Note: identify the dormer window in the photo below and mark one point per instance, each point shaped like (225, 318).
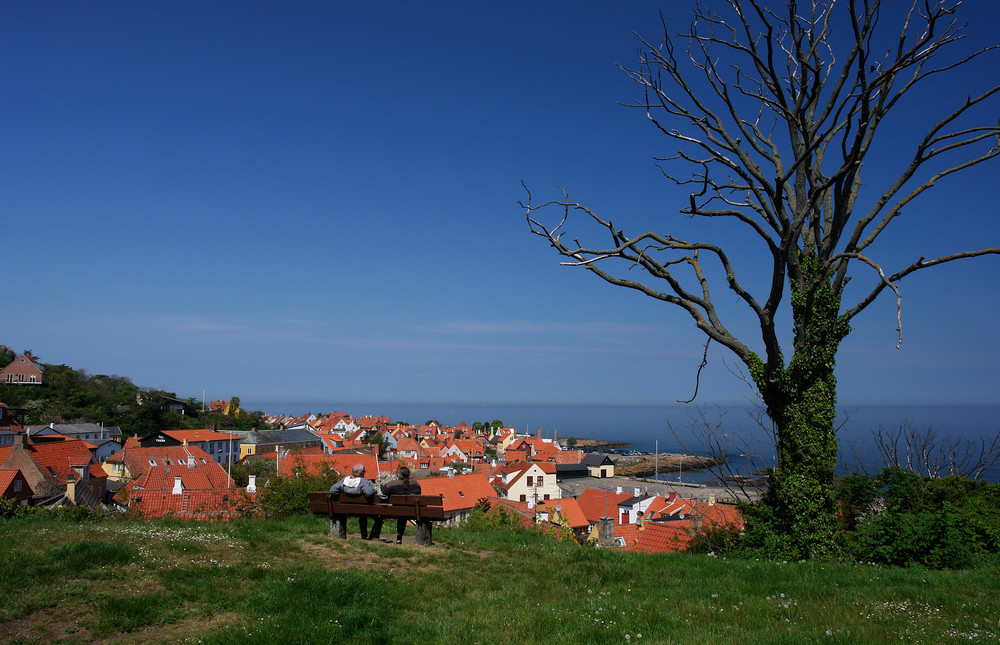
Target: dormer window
(153, 462)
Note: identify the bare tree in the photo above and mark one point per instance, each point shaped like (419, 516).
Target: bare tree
(925, 453)
(775, 116)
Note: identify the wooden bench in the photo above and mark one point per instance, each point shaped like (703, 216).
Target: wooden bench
(422, 509)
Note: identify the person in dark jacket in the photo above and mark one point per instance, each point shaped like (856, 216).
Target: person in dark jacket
(401, 486)
(356, 484)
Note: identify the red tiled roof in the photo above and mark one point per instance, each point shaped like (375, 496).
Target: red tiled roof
(137, 459)
(660, 538)
(55, 457)
(194, 505)
(198, 477)
(569, 456)
(341, 462)
(571, 512)
(7, 477)
(202, 434)
(460, 492)
(597, 503)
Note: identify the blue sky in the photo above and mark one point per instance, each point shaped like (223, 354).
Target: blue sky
(317, 202)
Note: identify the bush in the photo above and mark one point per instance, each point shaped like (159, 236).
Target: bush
(715, 539)
(286, 496)
(487, 517)
(904, 519)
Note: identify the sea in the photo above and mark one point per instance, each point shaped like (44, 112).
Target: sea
(740, 432)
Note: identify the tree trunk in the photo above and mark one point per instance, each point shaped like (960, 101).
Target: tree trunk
(798, 515)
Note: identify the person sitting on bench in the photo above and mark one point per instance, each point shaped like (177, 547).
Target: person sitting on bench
(356, 484)
(401, 486)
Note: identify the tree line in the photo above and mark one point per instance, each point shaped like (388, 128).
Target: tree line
(74, 396)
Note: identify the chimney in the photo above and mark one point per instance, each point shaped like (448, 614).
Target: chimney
(19, 441)
(553, 435)
(539, 433)
(52, 426)
(637, 491)
(252, 486)
(185, 443)
(606, 532)
(618, 490)
(638, 520)
(671, 497)
(178, 486)
(451, 473)
(71, 489)
(711, 500)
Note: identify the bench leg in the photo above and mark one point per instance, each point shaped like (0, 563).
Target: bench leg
(424, 533)
(338, 526)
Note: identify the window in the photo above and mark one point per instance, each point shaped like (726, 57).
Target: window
(546, 496)
(530, 480)
(540, 482)
(17, 485)
(524, 498)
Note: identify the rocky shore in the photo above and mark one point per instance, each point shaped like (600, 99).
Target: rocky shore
(593, 445)
(646, 465)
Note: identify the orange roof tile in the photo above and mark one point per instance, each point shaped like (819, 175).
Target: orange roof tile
(198, 477)
(202, 434)
(597, 503)
(341, 462)
(662, 538)
(570, 510)
(195, 505)
(460, 492)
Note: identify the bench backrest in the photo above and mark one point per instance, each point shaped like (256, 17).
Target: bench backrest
(417, 507)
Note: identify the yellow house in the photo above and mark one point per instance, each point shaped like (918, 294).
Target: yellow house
(264, 442)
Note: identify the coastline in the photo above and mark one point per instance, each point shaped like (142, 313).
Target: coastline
(706, 493)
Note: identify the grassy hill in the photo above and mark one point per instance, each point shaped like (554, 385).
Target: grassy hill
(117, 581)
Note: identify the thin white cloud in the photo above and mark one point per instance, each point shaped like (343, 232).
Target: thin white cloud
(579, 328)
(206, 325)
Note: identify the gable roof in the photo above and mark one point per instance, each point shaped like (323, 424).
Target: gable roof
(55, 457)
(7, 477)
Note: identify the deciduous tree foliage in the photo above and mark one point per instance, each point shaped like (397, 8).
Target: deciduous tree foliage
(774, 114)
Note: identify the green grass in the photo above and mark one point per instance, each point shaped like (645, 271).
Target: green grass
(266, 582)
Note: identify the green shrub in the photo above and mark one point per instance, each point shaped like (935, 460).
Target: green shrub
(487, 517)
(904, 519)
(715, 539)
(286, 496)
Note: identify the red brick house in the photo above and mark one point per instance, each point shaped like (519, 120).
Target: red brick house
(24, 370)
(14, 486)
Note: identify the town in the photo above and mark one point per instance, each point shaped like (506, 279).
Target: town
(188, 473)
